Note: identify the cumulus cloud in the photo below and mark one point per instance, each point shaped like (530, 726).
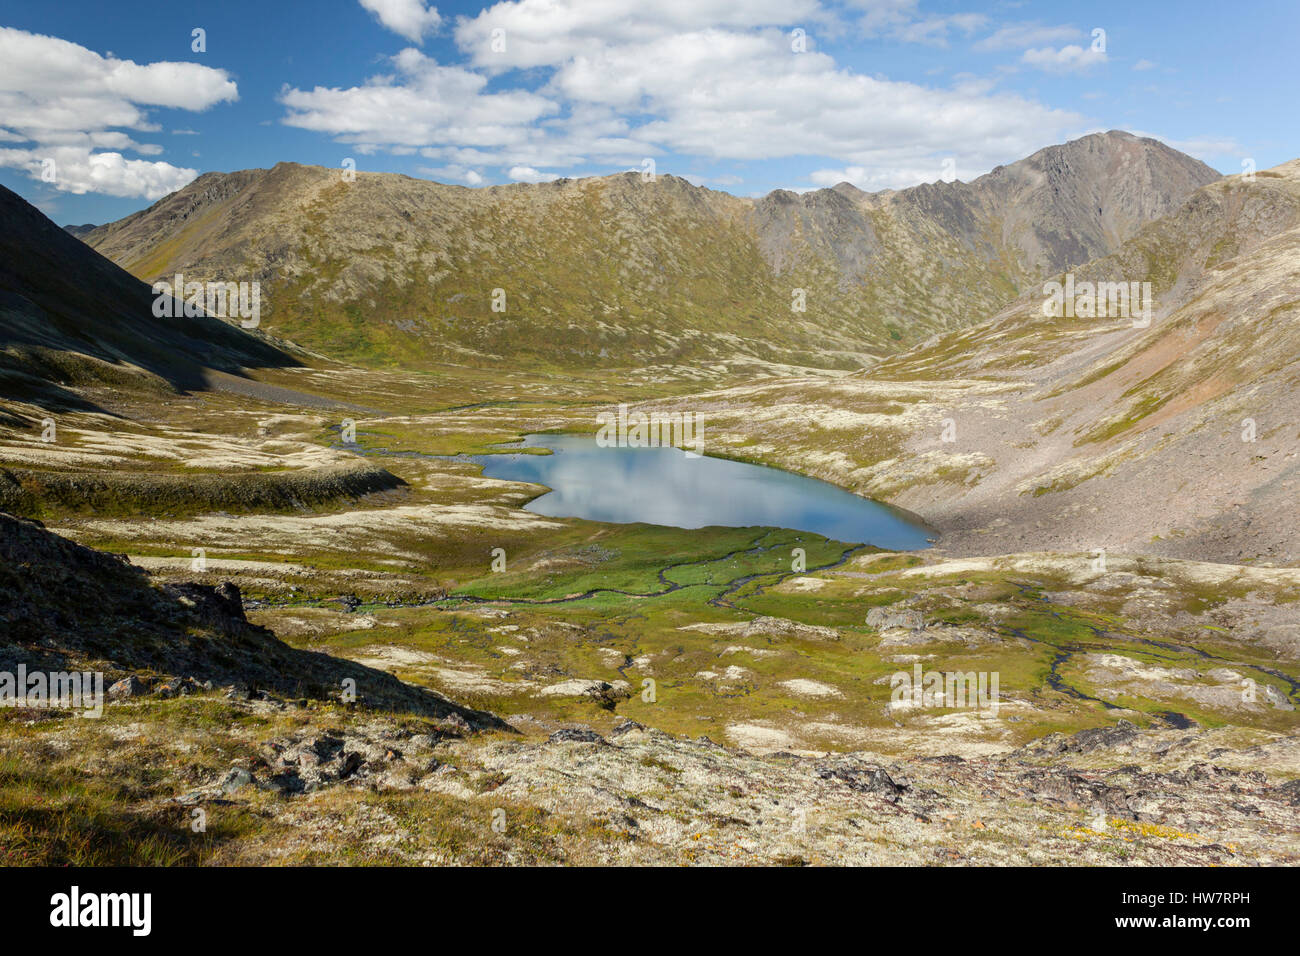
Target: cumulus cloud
(79, 171)
(526, 174)
(65, 103)
(551, 32)
(602, 82)
(408, 18)
(727, 95)
(420, 103)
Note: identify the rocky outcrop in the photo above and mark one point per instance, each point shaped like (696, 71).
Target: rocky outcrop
(890, 618)
(218, 608)
(62, 603)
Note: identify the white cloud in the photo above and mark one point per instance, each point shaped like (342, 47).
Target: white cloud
(1068, 59)
(462, 174)
(876, 179)
(727, 95)
(422, 103)
(80, 171)
(67, 102)
(408, 18)
(551, 32)
(1022, 36)
(611, 84)
(526, 174)
(47, 82)
(1144, 65)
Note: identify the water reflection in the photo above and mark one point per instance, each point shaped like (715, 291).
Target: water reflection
(662, 486)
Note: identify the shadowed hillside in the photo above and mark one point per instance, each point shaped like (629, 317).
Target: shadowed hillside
(64, 606)
(69, 316)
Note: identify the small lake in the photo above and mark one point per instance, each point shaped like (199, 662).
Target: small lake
(662, 486)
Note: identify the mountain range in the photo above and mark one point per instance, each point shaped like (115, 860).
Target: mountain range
(384, 269)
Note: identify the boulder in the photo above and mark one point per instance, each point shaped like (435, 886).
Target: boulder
(576, 735)
(889, 618)
(236, 779)
(219, 608)
(127, 687)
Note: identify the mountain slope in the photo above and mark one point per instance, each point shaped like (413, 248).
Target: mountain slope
(68, 315)
(942, 255)
(63, 605)
(1181, 437)
(621, 272)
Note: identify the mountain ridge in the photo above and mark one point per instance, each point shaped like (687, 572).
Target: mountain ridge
(396, 270)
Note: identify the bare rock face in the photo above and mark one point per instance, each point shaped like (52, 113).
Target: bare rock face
(974, 245)
(887, 618)
(1069, 204)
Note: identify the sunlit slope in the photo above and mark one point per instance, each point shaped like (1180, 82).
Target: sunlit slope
(623, 272)
(1186, 428)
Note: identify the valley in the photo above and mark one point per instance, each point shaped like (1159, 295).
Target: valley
(1105, 544)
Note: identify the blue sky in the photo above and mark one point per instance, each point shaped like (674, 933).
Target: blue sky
(727, 94)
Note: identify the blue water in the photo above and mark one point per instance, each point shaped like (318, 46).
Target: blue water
(662, 486)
